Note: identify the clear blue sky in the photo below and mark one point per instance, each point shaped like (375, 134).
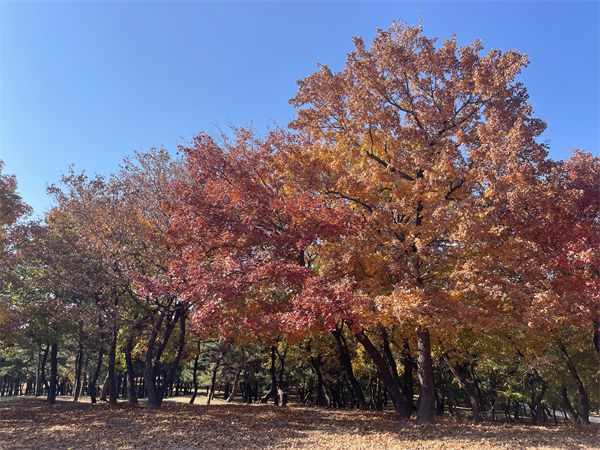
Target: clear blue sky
(87, 83)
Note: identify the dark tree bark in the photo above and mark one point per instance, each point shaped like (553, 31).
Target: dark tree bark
(426, 408)
(387, 351)
(53, 373)
(155, 351)
(568, 410)
(401, 404)
(316, 363)
(42, 373)
(149, 377)
(469, 388)
(94, 380)
(536, 406)
(346, 360)
(281, 395)
(273, 371)
(584, 404)
(236, 382)
(178, 353)
(131, 391)
(596, 325)
(194, 376)
(440, 396)
(449, 395)
(113, 393)
(409, 391)
(213, 381)
(78, 367)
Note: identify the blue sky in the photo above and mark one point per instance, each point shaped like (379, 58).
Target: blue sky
(87, 83)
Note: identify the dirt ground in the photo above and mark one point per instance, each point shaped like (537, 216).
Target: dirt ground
(30, 423)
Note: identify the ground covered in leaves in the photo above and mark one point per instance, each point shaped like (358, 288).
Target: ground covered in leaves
(29, 423)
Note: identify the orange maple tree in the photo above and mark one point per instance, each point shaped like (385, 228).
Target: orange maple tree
(430, 145)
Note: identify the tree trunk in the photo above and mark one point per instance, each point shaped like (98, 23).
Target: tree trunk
(568, 409)
(409, 363)
(316, 363)
(401, 404)
(584, 404)
(344, 355)
(149, 377)
(281, 396)
(53, 374)
(213, 382)
(131, 393)
(94, 380)
(387, 351)
(596, 325)
(113, 393)
(449, 395)
(426, 408)
(236, 381)
(178, 353)
(468, 387)
(42, 370)
(273, 391)
(537, 408)
(194, 376)
(78, 366)
(104, 390)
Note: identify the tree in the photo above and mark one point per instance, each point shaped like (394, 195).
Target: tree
(12, 208)
(121, 218)
(242, 242)
(571, 238)
(430, 145)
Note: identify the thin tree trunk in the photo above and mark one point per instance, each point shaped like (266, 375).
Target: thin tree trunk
(104, 390)
(536, 410)
(179, 352)
(408, 374)
(281, 396)
(149, 377)
(568, 409)
(78, 367)
(213, 382)
(113, 393)
(131, 391)
(387, 351)
(94, 380)
(596, 325)
(53, 373)
(468, 387)
(194, 377)
(584, 404)
(42, 378)
(236, 381)
(426, 408)
(449, 395)
(36, 388)
(316, 363)
(344, 355)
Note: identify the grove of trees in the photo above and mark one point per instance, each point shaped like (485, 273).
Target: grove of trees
(405, 241)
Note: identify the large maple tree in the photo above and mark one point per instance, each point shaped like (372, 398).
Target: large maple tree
(430, 144)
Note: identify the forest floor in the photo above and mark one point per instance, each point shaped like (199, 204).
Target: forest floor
(30, 423)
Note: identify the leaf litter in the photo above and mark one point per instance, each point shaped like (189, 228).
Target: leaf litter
(29, 423)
